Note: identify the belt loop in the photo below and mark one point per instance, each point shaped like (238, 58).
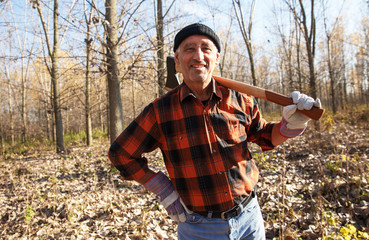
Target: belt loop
(210, 214)
(241, 207)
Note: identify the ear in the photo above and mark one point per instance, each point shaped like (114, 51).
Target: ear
(176, 60)
(217, 59)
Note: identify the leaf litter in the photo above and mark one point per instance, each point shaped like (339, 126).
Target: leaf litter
(310, 188)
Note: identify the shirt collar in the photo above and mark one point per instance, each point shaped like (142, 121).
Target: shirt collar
(186, 92)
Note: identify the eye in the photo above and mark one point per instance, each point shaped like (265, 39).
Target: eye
(189, 49)
(206, 48)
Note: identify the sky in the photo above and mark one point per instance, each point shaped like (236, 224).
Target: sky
(351, 10)
(218, 13)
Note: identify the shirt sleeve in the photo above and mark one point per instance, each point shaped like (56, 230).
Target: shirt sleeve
(260, 131)
(141, 136)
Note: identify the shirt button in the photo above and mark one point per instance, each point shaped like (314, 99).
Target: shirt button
(204, 111)
(214, 151)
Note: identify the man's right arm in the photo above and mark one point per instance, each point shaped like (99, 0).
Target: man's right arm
(141, 136)
(148, 175)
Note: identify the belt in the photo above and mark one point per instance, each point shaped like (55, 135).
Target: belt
(233, 212)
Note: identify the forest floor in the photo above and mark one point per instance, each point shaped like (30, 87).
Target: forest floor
(311, 187)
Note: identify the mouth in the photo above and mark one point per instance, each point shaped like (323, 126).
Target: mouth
(198, 66)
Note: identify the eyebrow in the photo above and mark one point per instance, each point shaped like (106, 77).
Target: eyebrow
(203, 44)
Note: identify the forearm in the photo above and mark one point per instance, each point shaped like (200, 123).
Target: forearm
(148, 175)
(277, 138)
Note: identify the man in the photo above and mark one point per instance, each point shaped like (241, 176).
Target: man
(203, 129)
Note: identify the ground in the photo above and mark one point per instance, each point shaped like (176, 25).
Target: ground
(312, 187)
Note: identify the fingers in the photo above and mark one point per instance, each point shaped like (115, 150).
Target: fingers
(303, 101)
(182, 217)
(318, 103)
(289, 110)
(295, 96)
(176, 211)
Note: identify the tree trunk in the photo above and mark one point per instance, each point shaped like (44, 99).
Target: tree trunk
(310, 45)
(54, 73)
(87, 100)
(88, 40)
(309, 37)
(115, 99)
(246, 34)
(11, 121)
(160, 46)
(331, 75)
(54, 79)
(298, 59)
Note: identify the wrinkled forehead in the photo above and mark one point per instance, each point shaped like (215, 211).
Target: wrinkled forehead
(197, 41)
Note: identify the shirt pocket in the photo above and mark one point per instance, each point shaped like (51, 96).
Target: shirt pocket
(229, 128)
(179, 152)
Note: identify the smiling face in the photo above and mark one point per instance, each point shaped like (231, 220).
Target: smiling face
(197, 57)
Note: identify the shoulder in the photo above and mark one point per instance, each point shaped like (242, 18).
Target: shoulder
(236, 97)
(167, 99)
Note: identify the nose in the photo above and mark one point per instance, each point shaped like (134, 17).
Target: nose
(198, 54)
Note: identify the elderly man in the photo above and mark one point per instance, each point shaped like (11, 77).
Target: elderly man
(203, 130)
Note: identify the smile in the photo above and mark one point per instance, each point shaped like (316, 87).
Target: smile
(198, 65)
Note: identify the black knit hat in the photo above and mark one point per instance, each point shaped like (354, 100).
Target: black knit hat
(196, 29)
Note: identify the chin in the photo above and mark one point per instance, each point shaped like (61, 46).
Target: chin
(199, 79)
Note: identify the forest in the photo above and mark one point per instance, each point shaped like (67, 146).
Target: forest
(75, 73)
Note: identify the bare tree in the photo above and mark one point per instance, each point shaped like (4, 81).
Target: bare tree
(53, 53)
(115, 99)
(25, 63)
(225, 49)
(160, 46)
(160, 50)
(88, 41)
(309, 33)
(287, 48)
(246, 33)
(332, 56)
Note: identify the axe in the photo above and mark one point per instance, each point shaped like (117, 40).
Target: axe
(172, 81)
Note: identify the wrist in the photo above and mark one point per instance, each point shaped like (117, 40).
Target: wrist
(160, 185)
(288, 132)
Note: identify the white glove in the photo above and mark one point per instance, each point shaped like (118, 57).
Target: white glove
(294, 123)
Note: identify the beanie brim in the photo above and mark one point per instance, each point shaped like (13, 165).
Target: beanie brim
(196, 29)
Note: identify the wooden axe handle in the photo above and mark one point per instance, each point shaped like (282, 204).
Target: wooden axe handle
(315, 113)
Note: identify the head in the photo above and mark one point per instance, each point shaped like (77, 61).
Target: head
(196, 52)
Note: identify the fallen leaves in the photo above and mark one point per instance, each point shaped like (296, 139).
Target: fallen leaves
(78, 196)
(314, 186)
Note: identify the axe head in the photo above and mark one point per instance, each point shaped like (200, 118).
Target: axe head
(172, 78)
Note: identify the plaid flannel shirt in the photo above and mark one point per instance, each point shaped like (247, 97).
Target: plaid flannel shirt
(205, 148)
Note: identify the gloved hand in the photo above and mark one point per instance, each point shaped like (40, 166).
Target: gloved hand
(294, 123)
(169, 198)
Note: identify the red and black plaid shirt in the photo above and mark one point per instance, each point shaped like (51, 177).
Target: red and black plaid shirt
(204, 147)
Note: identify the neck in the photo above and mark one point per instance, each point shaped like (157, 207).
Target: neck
(202, 91)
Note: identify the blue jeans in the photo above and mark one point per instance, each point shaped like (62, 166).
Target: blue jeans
(248, 225)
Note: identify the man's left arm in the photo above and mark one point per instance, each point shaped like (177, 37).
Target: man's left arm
(293, 123)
